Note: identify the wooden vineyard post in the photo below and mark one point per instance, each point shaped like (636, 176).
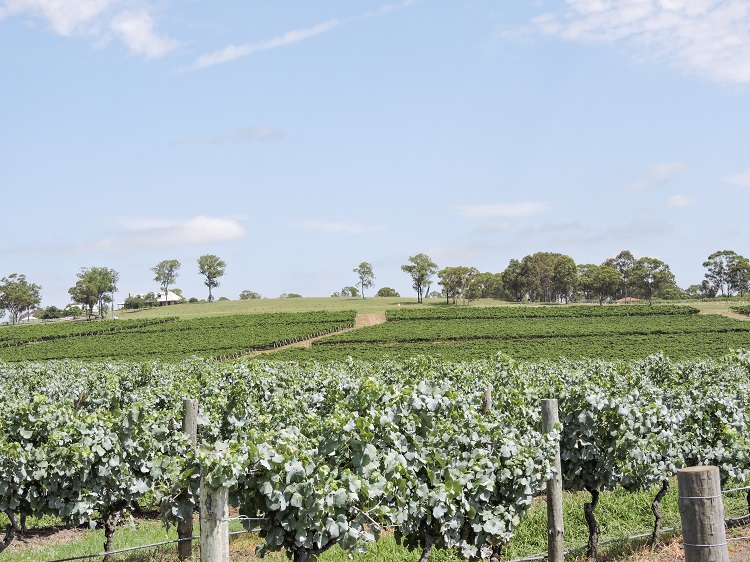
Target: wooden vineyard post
(190, 429)
(214, 509)
(555, 526)
(702, 514)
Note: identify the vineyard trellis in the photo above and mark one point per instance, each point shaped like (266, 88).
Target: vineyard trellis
(320, 453)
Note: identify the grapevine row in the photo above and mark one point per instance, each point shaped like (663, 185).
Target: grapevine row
(323, 452)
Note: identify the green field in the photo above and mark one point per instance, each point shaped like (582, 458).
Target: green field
(229, 329)
(534, 334)
(168, 338)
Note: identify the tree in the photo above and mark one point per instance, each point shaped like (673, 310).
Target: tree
(387, 292)
(456, 281)
(651, 276)
(421, 269)
(545, 277)
(564, 278)
(512, 281)
(486, 286)
(94, 287)
(599, 281)
(365, 275)
(350, 291)
(623, 262)
(52, 313)
(211, 267)
(83, 294)
(718, 265)
(17, 295)
(249, 295)
(166, 273)
(739, 275)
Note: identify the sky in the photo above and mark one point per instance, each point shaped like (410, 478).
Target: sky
(297, 139)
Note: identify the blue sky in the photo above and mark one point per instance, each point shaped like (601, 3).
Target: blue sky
(298, 139)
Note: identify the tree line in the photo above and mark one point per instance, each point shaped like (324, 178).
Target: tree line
(554, 277)
(95, 289)
(538, 277)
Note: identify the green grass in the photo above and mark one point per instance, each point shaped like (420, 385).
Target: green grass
(620, 514)
(369, 304)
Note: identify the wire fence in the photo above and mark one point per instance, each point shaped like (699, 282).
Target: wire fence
(532, 558)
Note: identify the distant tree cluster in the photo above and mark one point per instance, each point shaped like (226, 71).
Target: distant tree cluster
(387, 292)
(552, 277)
(249, 295)
(539, 277)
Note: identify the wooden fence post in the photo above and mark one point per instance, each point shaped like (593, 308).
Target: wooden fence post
(555, 526)
(487, 400)
(702, 514)
(190, 429)
(214, 523)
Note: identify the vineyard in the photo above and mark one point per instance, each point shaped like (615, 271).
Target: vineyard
(536, 333)
(334, 454)
(168, 339)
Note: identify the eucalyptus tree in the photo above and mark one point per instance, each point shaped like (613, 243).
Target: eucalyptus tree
(95, 286)
(456, 281)
(166, 273)
(17, 295)
(651, 276)
(421, 269)
(623, 262)
(211, 267)
(718, 267)
(366, 276)
(599, 281)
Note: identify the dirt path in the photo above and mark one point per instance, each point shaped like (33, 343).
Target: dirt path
(360, 321)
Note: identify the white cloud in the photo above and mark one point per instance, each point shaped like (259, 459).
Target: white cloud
(136, 30)
(336, 227)
(95, 19)
(680, 201)
(522, 209)
(659, 175)
(710, 38)
(159, 232)
(741, 179)
(65, 17)
(232, 52)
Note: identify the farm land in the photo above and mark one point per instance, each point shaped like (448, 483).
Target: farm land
(677, 359)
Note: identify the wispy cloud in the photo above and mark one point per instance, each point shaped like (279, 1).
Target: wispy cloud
(97, 20)
(142, 233)
(241, 134)
(523, 209)
(710, 38)
(337, 227)
(658, 176)
(741, 179)
(639, 228)
(233, 52)
(680, 201)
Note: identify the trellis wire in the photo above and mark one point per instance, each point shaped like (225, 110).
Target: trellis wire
(121, 550)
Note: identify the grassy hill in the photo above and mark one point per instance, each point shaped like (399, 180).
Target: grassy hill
(371, 304)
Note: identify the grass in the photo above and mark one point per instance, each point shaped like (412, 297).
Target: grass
(620, 514)
(369, 304)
